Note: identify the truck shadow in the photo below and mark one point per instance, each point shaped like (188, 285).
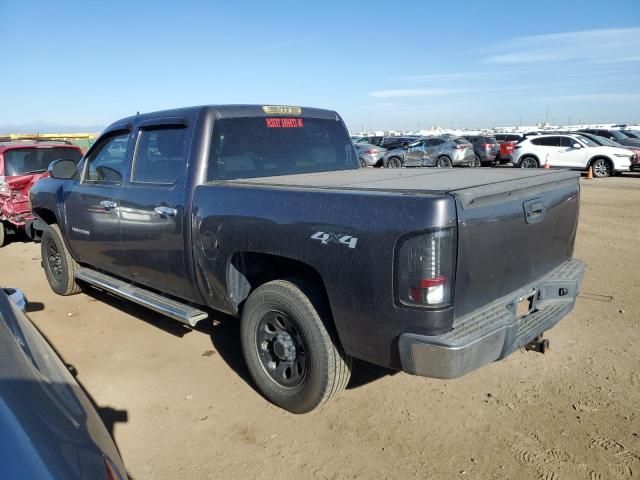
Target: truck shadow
(224, 333)
(158, 320)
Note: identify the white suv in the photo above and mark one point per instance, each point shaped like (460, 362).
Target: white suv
(571, 151)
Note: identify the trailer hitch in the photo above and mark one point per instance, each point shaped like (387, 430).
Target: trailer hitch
(540, 345)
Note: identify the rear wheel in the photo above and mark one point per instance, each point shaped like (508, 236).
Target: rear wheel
(444, 162)
(528, 162)
(363, 164)
(601, 168)
(290, 348)
(476, 162)
(394, 162)
(59, 266)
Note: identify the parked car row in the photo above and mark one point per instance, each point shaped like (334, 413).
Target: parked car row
(606, 151)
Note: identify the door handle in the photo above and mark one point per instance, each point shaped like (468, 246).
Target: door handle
(166, 211)
(108, 204)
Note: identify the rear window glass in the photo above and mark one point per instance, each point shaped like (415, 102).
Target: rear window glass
(461, 141)
(23, 161)
(490, 140)
(263, 147)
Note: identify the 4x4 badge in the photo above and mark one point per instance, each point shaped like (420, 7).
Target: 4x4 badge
(325, 238)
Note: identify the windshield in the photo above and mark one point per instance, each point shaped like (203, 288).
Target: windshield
(263, 147)
(603, 141)
(24, 161)
(588, 141)
(634, 135)
(619, 135)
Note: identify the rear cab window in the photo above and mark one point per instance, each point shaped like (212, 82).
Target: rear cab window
(26, 161)
(252, 147)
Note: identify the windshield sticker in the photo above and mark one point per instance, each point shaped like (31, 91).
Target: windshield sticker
(284, 122)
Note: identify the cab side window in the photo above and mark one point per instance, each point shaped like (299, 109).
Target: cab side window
(106, 164)
(161, 155)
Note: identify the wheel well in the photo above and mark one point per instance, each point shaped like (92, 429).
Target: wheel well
(248, 270)
(46, 215)
(598, 158)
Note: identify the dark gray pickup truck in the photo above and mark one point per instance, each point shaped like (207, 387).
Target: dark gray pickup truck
(262, 212)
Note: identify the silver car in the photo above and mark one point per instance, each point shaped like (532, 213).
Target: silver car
(370, 155)
(444, 151)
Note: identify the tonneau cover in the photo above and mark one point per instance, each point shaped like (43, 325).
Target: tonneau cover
(423, 180)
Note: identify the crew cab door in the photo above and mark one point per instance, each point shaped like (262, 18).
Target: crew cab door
(153, 219)
(91, 204)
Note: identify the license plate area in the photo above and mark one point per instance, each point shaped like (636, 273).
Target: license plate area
(526, 305)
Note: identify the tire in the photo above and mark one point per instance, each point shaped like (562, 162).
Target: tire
(290, 348)
(476, 162)
(394, 162)
(59, 266)
(528, 162)
(444, 162)
(4, 238)
(602, 168)
(363, 164)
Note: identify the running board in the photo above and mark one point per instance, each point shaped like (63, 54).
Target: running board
(176, 310)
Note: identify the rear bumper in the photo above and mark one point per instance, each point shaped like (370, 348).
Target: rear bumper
(494, 331)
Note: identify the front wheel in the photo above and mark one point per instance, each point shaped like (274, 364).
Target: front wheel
(59, 266)
(394, 162)
(602, 168)
(444, 162)
(476, 162)
(290, 348)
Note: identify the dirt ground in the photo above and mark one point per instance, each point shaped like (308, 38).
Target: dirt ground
(181, 404)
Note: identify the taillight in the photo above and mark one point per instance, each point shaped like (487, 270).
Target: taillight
(371, 152)
(462, 147)
(425, 269)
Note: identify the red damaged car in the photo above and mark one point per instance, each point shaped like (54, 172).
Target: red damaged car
(21, 165)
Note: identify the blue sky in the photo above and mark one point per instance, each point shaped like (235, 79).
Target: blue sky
(79, 64)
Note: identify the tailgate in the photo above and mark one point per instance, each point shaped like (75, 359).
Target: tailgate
(512, 232)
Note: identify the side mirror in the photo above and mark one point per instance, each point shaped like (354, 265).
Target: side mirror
(62, 169)
(576, 145)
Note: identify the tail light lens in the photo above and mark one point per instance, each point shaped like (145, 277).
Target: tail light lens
(462, 147)
(372, 152)
(425, 269)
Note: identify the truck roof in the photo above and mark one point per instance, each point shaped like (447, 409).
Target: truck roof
(228, 111)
